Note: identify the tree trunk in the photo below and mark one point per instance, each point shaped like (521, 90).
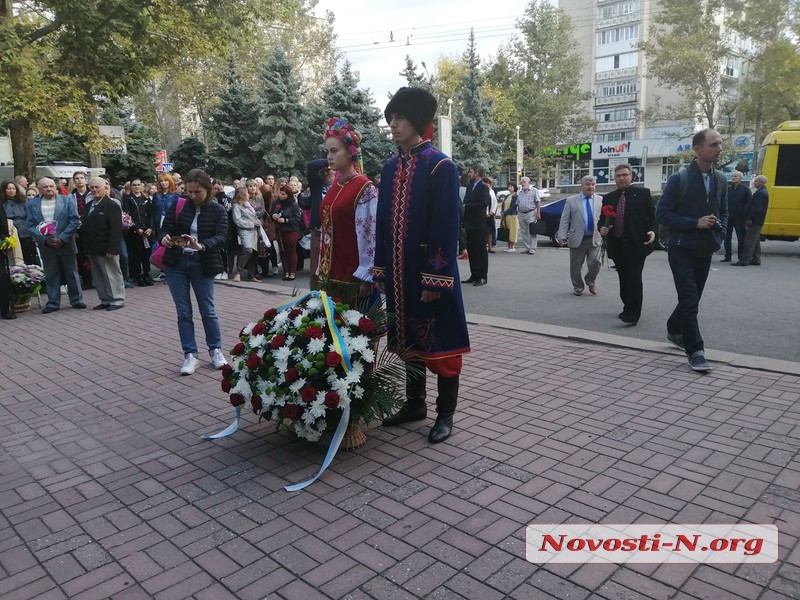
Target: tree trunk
(22, 148)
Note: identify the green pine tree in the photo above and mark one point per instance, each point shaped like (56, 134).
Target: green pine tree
(233, 127)
(422, 80)
(343, 98)
(281, 131)
(474, 132)
(189, 154)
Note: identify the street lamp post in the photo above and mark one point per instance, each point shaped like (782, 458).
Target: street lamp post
(450, 107)
(519, 156)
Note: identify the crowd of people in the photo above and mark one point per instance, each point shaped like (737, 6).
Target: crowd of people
(400, 236)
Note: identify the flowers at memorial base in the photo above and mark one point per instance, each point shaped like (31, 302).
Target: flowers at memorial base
(290, 366)
(8, 243)
(26, 280)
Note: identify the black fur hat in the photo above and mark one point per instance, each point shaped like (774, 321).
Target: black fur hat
(415, 104)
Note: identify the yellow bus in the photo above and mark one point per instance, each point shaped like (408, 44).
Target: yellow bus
(779, 161)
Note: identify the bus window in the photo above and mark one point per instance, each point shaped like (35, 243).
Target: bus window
(786, 172)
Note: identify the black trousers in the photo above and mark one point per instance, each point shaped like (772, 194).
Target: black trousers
(629, 265)
(478, 254)
(690, 273)
(138, 256)
(738, 227)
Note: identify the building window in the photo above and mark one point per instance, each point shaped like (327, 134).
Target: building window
(614, 136)
(618, 34)
(571, 171)
(603, 169)
(615, 114)
(617, 61)
(617, 88)
(732, 66)
(669, 166)
(618, 9)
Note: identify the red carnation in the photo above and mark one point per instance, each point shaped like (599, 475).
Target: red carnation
(238, 349)
(259, 328)
(294, 313)
(227, 370)
(253, 361)
(278, 341)
(366, 325)
(237, 399)
(332, 359)
(314, 332)
(256, 402)
(270, 314)
(291, 412)
(226, 385)
(332, 399)
(608, 211)
(307, 394)
(291, 375)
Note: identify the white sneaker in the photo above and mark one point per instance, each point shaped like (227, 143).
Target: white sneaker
(223, 276)
(275, 271)
(509, 250)
(218, 358)
(218, 276)
(531, 251)
(160, 277)
(64, 290)
(189, 364)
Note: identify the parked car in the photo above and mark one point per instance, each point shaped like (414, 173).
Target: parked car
(551, 219)
(543, 193)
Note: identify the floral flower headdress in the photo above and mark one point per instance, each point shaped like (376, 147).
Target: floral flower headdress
(342, 130)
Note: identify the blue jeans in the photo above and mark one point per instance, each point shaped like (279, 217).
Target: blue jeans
(189, 273)
(689, 273)
(61, 269)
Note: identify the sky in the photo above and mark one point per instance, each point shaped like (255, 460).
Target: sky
(376, 35)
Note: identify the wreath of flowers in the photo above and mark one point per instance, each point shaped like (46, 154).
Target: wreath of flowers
(294, 367)
(342, 130)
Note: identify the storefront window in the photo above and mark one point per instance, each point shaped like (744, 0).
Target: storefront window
(669, 166)
(603, 169)
(571, 171)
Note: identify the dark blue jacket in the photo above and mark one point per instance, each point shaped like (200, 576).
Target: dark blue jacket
(681, 214)
(317, 190)
(738, 197)
(756, 209)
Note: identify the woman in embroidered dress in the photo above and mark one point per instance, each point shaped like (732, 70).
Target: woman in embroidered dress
(347, 214)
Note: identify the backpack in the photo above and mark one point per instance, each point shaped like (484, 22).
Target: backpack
(722, 185)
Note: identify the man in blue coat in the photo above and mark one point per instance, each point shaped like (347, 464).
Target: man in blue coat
(417, 229)
(53, 220)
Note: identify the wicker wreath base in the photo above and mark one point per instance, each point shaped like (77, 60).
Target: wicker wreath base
(354, 437)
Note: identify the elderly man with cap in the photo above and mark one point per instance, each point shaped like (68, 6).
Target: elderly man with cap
(418, 222)
(53, 220)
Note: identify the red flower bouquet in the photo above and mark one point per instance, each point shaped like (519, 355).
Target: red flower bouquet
(608, 215)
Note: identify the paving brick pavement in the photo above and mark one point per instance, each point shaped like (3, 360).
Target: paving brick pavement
(106, 490)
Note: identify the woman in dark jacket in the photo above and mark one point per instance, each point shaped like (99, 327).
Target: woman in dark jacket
(140, 208)
(14, 200)
(192, 260)
(287, 215)
(5, 278)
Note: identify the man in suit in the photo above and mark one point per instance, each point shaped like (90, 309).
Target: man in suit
(101, 233)
(753, 220)
(738, 197)
(56, 246)
(629, 240)
(477, 204)
(578, 229)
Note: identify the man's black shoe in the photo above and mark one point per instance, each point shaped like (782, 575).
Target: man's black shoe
(738, 263)
(726, 259)
(406, 414)
(628, 318)
(48, 309)
(470, 280)
(9, 316)
(442, 429)
(114, 307)
(100, 307)
(479, 282)
(79, 305)
(755, 263)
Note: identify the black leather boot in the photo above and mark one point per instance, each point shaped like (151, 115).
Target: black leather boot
(446, 403)
(414, 408)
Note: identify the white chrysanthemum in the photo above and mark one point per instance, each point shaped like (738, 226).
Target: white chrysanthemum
(281, 318)
(368, 355)
(257, 341)
(358, 343)
(316, 345)
(298, 320)
(248, 329)
(344, 400)
(304, 364)
(282, 354)
(317, 408)
(313, 304)
(242, 387)
(297, 385)
(358, 392)
(351, 317)
(308, 418)
(275, 415)
(340, 386)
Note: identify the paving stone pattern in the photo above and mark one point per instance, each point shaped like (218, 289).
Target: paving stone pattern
(106, 490)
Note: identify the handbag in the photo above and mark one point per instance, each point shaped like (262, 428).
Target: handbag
(502, 234)
(157, 254)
